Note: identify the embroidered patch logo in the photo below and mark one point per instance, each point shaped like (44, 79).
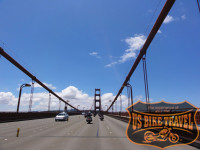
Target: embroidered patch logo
(162, 124)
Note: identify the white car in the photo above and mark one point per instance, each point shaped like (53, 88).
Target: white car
(62, 116)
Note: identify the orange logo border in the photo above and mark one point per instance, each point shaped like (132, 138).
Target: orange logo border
(155, 114)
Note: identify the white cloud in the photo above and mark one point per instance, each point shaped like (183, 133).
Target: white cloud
(168, 19)
(134, 44)
(74, 95)
(106, 98)
(111, 64)
(36, 85)
(95, 54)
(127, 56)
(159, 31)
(183, 17)
(6, 97)
(40, 100)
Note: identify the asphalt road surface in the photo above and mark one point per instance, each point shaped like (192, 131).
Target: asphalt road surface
(75, 134)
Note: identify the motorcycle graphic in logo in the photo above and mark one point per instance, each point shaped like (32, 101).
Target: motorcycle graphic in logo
(162, 124)
(163, 135)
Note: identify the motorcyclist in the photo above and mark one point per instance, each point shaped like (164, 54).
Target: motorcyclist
(89, 114)
(101, 116)
(89, 117)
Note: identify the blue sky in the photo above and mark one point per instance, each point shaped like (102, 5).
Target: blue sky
(77, 46)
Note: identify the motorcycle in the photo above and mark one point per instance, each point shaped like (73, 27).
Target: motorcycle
(163, 135)
(101, 117)
(89, 119)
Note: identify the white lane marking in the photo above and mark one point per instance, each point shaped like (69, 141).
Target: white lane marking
(5, 139)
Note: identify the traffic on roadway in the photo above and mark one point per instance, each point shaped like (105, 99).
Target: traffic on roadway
(74, 134)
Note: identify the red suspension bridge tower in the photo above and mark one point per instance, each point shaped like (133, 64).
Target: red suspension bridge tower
(97, 101)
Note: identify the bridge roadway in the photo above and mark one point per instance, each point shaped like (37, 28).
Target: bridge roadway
(76, 134)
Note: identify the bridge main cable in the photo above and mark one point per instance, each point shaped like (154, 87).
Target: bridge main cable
(168, 5)
(14, 62)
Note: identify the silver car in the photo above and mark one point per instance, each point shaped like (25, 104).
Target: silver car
(62, 117)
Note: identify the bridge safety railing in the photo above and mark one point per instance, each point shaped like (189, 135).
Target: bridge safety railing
(13, 116)
(125, 116)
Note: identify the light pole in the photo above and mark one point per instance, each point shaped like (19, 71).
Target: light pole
(20, 91)
(83, 108)
(77, 106)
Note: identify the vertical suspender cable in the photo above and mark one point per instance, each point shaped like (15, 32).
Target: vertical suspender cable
(49, 102)
(31, 96)
(168, 5)
(128, 94)
(131, 98)
(116, 106)
(146, 81)
(120, 103)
